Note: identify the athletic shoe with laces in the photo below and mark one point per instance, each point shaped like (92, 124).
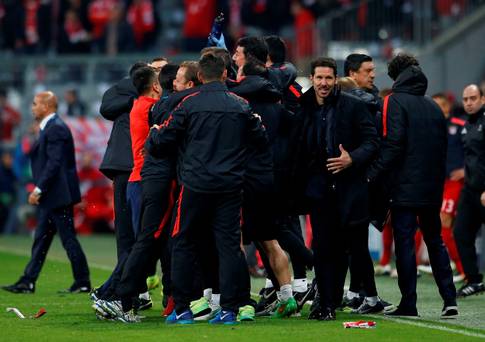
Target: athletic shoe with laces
(224, 317)
(128, 317)
(111, 307)
(366, 308)
(169, 307)
(387, 306)
(302, 297)
(246, 314)
(470, 289)
(449, 312)
(267, 302)
(77, 288)
(401, 312)
(94, 294)
(185, 317)
(153, 282)
(351, 304)
(100, 312)
(20, 287)
(285, 308)
(200, 309)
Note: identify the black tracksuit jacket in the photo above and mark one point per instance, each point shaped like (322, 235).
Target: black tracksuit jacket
(212, 129)
(473, 137)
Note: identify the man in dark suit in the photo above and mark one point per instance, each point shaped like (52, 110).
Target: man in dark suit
(338, 141)
(56, 191)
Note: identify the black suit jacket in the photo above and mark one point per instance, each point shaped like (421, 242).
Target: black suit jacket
(54, 166)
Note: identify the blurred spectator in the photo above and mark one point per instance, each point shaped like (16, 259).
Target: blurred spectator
(73, 106)
(7, 187)
(120, 33)
(266, 16)
(9, 119)
(100, 13)
(95, 212)
(141, 16)
(74, 27)
(305, 34)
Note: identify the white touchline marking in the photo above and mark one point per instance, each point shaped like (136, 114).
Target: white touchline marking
(456, 330)
(22, 252)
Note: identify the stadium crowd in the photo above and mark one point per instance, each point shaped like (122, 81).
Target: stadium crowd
(214, 154)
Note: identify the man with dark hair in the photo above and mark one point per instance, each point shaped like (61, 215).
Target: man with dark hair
(276, 49)
(212, 129)
(116, 165)
(471, 209)
(250, 47)
(360, 69)
(338, 141)
(411, 163)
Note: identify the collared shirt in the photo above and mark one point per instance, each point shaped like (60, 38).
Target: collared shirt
(45, 120)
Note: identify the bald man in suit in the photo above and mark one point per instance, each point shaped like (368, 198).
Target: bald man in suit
(56, 192)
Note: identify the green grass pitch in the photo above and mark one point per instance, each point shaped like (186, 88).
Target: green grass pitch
(70, 317)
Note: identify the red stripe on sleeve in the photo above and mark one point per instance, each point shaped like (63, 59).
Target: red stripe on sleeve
(176, 227)
(384, 115)
(458, 121)
(294, 91)
(168, 212)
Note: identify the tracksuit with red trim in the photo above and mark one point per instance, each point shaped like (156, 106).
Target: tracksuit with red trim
(212, 130)
(159, 191)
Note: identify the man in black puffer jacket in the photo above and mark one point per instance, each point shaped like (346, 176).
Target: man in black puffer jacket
(412, 163)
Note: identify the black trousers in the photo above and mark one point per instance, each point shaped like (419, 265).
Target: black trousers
(158, 201)
(361, 265)
(329, 249)
(125, 237)
(404, 226)
(49, 222)
(198, 215)
(470, 217)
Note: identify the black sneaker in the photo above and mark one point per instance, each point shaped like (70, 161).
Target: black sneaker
(76, 288)
(20, 287)
(400, 312)
(366, 308)
(449, 312)
(144, 304)
(470, 289)
(387, 306)
(352, 304)
(319, 314)
(302, 297)
(316, 300)
(267, 302)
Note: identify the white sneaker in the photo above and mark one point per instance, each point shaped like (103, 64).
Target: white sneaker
(425, 269)
(380, 270)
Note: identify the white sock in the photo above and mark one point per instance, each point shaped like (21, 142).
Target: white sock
(372, 301)
(300, 285)
(286, 292)
(208, 293)
(269, 284)
(216, 299)
(145, 295)
(352, 295)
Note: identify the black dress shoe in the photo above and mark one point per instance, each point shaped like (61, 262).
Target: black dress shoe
(76, 288)
(20, 287)
(401, 312)
(325, 314)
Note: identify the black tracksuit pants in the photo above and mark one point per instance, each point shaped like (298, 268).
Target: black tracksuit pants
(470, 217)
(199, 215)
(361, 265)
(125, 237)
(404, 226)
(158, 201)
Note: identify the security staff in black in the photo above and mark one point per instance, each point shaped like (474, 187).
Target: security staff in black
(339, 140)
(471, 208)
(412, 163)
(212, 129)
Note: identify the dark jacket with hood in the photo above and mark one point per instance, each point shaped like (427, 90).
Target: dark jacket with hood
(352, 126)
(412, 158)
(283, 77)
(116, 106)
